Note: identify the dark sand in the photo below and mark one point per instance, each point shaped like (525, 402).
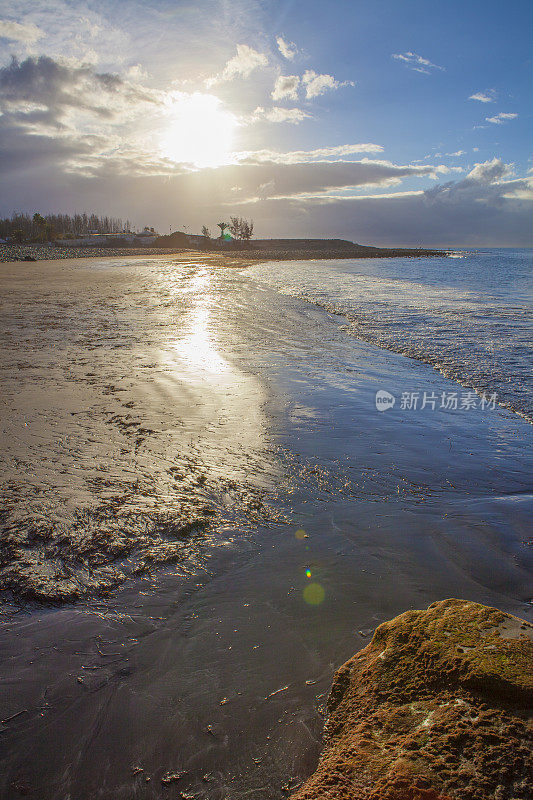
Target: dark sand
(214, 665)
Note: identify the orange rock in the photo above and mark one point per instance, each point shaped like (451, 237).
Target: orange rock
(434, 708)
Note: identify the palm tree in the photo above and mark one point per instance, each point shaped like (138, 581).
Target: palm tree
(222, 226)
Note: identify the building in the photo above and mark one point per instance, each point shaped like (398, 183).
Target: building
(142, 238)
(145, 237)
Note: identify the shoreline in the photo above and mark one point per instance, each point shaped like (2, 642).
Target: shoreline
(170, 680)
(28, 253)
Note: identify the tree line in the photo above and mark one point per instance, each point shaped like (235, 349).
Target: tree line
(239, 228)
(38, 228)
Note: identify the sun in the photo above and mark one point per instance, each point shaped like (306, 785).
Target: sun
(198, 130)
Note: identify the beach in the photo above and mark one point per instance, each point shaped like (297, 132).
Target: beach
(205, 513)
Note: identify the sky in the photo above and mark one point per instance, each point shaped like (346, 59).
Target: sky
(388, 122)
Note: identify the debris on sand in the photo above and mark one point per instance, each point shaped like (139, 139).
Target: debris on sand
(172, 777)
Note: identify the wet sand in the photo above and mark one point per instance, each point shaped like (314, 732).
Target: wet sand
(124, 431)
(204, 675)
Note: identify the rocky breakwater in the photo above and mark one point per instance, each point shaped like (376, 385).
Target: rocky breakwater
(436, 707)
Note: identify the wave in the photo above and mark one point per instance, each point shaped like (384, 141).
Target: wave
(467, 315)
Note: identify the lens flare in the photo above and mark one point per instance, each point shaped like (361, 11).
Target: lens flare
(314, 594)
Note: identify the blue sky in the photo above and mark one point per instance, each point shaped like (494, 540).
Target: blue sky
(384, 122)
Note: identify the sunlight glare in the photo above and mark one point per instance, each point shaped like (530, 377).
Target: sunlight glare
(197, 348)
(199, 131)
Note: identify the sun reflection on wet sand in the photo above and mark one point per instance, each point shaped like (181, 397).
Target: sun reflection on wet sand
(220, 405)
(197, 348)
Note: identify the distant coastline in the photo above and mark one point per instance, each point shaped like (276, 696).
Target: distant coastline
(279, 251)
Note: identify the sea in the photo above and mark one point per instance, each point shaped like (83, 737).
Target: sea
(468, 314)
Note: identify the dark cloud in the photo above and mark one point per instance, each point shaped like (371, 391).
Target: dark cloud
(488, 214)
(21, 152)
(478, 211)
(55, 88)
(40, 97)
(249, 181)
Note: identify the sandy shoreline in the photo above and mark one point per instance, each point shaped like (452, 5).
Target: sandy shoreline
(111, 386)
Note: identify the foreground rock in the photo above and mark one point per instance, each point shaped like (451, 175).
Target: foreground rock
(434, 708)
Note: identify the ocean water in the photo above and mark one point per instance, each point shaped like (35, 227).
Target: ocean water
(469, 314)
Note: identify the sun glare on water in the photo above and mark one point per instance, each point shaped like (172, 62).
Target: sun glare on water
(199, 131)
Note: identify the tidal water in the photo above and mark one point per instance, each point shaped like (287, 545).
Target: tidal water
(469, 315)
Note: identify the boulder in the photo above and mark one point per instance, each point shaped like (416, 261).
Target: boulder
(437, 706)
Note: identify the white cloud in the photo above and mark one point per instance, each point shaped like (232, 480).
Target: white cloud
(500, 118)
(137, 73)
(241, 65)
(286, 87)
(483, 97)
(316, 84)
(487, 194)
(374, 196)
(450, 155)
(287, 49)
(25, 32)
(68, 30)
(277, 114)
(442, 169)
(302, 156)
(416, 62)
(491, 171)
